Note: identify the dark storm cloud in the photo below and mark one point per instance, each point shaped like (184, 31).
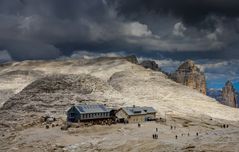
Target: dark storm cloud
(191, 11)
(44, 29)
(170, 30)
(37, 29)
(21, 50)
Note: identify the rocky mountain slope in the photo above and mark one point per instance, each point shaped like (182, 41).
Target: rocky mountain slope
(190, 75)
(123, 83)
(13, 81)
(40, 87)
(55, 93)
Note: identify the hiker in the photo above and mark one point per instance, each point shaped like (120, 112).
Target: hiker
(139, 125)
(171, 127)
(197, 133)
(227, 126)
(176, 137)
(156, 129)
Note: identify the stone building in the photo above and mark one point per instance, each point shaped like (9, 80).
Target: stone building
(86, 112)
(136, 114)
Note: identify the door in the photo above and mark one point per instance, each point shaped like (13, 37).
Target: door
(72, 117)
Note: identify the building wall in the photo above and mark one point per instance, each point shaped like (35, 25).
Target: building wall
(136, 119)
(89, 116)
(73, 115)
(121, 114)
(131, 119)
(151, 115)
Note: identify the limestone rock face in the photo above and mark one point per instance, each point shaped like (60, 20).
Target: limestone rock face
(190, 75)
(132, 59)
(229, 97)
(56, 91)
(148, 64)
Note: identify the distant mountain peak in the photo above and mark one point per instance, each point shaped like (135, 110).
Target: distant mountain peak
(229, 83)
(190, 75)
(229, 96)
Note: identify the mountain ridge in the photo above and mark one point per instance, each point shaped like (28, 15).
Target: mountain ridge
(114, 82)
(132, 84)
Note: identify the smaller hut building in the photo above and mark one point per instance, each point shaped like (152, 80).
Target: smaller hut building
(136, 114)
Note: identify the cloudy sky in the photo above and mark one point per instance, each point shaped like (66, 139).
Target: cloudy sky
(168, 31)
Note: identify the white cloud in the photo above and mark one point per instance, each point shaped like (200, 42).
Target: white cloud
(91, 55)
(179, 29)
(214, 35)
(137, 29)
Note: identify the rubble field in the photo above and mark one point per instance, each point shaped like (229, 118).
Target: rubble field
(174, 135)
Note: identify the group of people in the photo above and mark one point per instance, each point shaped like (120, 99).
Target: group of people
(225, 126)
(173, 127)
(176, 136)
(155, 136)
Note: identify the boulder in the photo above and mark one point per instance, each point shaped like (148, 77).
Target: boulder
(50, 120)
(148, 64)
(47, 119)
